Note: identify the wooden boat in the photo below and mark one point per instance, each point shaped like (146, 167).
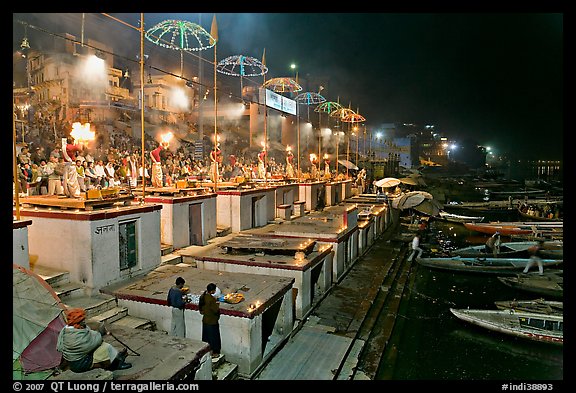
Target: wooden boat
(537, 218)
(491, 228)
(533, 326)
(550, 284)
(515, 227)
(507, 250)
(443, 215)
(540, 306)
(550, 250)
(483, 265)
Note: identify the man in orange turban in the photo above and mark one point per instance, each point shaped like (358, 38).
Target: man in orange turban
(84, 348)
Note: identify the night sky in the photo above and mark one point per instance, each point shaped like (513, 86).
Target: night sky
(495, 78)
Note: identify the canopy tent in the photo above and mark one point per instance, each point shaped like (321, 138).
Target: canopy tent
(429, 207)
(348, 164)
(387, 182)
(36, 321)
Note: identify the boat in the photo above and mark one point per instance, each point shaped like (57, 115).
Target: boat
(505, 266)
(551, 283)
(545, 328)
(549, 250)
(443, 215)
(540, 305)
(516, 227)
(507, 250)
(491, 228)
(534, 217)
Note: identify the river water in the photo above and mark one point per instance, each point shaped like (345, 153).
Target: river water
(429, 343)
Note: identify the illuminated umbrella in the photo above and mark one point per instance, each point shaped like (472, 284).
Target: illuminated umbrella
(282, 85)
(340, 114)
(326, 107)
(240, 65)
(310, 98)
(351, 118)
(286, 85)
(387, 182)
(180, 35)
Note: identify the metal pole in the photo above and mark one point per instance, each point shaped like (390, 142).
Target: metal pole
(142, 107)
(298, 133)
(357, 143)
(16, 178)
(215, 119)
(348, 150)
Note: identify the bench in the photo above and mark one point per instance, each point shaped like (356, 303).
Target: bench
(299, 207)
(284, 211)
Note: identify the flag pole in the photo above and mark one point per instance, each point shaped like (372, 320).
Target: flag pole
(214, 39)
(142, 107)
(265, 125)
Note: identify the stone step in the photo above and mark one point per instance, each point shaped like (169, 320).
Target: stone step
(223, 231)
(68, 290)
(166, 249)
(171, 259)
(110, 316)
(224, 370)
(94, 305)
(135, 323)
(52, 276)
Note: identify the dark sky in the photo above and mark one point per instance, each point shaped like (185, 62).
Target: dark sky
(496, 78)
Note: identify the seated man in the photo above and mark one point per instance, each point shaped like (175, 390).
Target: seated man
(84, 348)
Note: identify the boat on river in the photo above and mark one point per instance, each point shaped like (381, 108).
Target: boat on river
(539, 305)
(502, 266)
(507, 250)
(451, 217)
(512, 228)
(550, 284)
(545, 328)
(549, 250)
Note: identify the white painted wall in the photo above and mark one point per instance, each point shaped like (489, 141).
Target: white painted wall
(89, 250)
(241, 336)
(20, 254)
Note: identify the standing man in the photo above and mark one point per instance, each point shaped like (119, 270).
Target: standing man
(415, 247)
(210, 310)
(157, 175)
(70, 183)
(493, 244)
(535, 257)
(176, 300)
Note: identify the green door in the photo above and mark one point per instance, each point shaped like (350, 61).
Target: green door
(128, 246)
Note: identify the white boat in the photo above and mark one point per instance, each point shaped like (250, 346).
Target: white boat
(552, 249)
(533, 326)
(443, 215)
(541, 306)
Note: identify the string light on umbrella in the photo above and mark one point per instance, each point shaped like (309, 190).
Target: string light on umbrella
(180, 35)
(325, 107)
(311, 98)
(340, 114)
(351, 118)
(282, 85)
(242, 66)
(287, 85)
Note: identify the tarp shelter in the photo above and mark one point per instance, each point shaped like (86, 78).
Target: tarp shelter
(348, 164)
(387, 182)
(36, 321)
